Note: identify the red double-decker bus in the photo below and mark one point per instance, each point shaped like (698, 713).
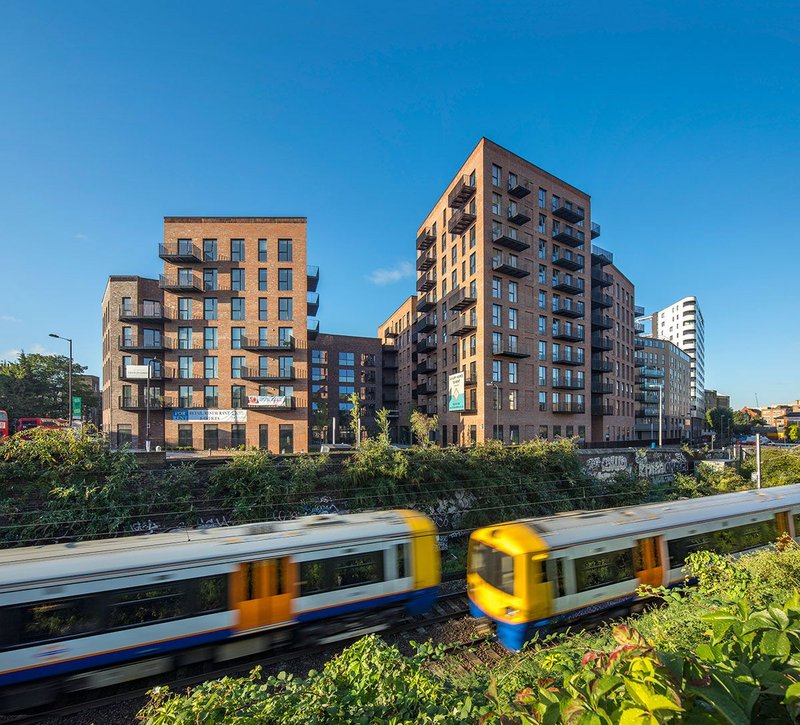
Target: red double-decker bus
(24, 424)
(3, 424)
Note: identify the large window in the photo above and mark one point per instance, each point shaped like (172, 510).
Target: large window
(262, 250)
(209, 250)
(724, 541)
(494, 567)
(347, 358)
(284, 250)
(210, 338)
(262, 280)
(285, 279)
(184, 308)
(238, 435)
(237, 250)
(185, 436)
(135, 607)
(237, 279)
(210, 308)
(342, 572)
(237, 308)
(285, 308)
(600, 570)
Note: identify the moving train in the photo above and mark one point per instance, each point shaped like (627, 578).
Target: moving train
(529, 574)
(86, 615)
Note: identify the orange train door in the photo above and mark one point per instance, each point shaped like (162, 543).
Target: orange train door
(648, 561)
(263, 592)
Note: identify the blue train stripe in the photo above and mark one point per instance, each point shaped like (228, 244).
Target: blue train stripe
(416, 602)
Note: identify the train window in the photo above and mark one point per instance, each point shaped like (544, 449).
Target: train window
(353, 571)
(796, 519)
(402, 561)
(600, 570)
(249, 576)
(55, 619)
(493, 566)
(212, 593)
(554, 572)
(133, 607)
(723, 541)
(312, 578)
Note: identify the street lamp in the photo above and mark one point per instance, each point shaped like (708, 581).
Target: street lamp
(147, 405)
(69, 375)
(493, 384)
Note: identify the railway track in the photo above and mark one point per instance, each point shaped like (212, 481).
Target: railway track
(448, 606)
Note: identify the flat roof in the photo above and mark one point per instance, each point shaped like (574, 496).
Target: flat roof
(245, 219)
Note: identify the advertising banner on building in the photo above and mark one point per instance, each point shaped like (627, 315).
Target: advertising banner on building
(455, 392)
(209, 415)
(268, 401)
(136, 372)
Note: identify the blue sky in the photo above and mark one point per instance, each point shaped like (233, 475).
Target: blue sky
(680, 119)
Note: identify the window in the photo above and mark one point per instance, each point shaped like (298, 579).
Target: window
(184, 308)
(237, 250)
(286, 439)
(513, 370)
(497, 342)
(542, 431)
(542, 299)
(601, 570)
(262, 250)
(542, 400)
(542, 227)
(542, 274)
(285, 279)
(210, 282)
(210, 367)
(237, 280)
(345, 571)
(497, 288)
(210, 437)
(185, 439)
(211, 396)
(185, 395)
(497, 371)
(472, 240)
(513, 433)
(472, 263)
(512, 318)
(497, 203)
(542, 199)
(52, 619)
(347, 358)
(210, 338)
(262, 280)
(497, 173)
(210, 308)
(285, 308)
(542, 375)
(493, 566)
(238, 438)
(237, 365)
(285, 337)
(237, 396)
(513, 288)
(319, 356)
(286, 366)
(237, 334)
(284, 250)
(184, 338)
(209, 250)
(185, 366)
(542, 249)
(186, 277)
(347, 375)
(497, 315)
(263, 434)
(262, 308)
(542, 325)
(237, 308)
(543, 350)
(723, 541)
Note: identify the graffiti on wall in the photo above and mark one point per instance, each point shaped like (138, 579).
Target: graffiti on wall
(658, 466)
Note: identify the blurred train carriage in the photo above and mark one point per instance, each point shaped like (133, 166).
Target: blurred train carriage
(530, 574)
(85, 615)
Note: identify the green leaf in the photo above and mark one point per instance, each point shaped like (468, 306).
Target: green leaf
(792, 693)
(779, 616)
(723, 704)
(775, 644)
(634, 716)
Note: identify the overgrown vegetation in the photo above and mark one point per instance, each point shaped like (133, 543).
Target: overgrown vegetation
(726, 651)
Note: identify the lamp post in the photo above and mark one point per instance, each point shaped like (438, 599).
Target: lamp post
(660, 413)
(147, 405)
(493, 384)
(69, 375)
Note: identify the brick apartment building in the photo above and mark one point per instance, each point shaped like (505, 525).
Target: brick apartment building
(340, 366)
(225, 332)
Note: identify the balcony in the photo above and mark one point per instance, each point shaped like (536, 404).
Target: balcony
(510, 265)
(638, 310)
(601, 342)
(469, 409)
(425, 240)
(266, 345)
(460, 221)
(180, 252)
(265, 375)
(568, 235)
(508, 349)
(143, 312)
(601, 387)
(312, 329)
(602, 409)
(568, 383)
(646, 397)
(312, 301)
(389, 380)
(459, 300)
(601, 256)
(563, 358)
(425, 303)
(570, 407)
(518, 189)
(568, 308)
(567, 211)
(470, 379)
(389, 359)
(426, 344)
(312, 278)
(647, 384)
(639, 362)
(180, 283)
(601, 366)
(600, 278)
(462, 325)
(646, 413)
(141, 402)
(567, 332)
(638, 328)
(426, 282)
(568, 260)
(425, 324)
(518, 214)
(133, 343)
(601, 299)
(427, 388)
(426, 260)
(568, 283)
(508, 237)
(651, 373)
(601, 321)
(595, 230)
(461, 193)
(427, 367)
(271, 403)
(638, 343)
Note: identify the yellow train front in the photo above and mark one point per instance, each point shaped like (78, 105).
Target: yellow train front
(531, 574)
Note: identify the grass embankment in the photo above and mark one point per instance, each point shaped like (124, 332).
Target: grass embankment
(726, 651)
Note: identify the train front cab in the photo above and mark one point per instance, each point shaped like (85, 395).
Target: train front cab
(506, 580)
(425, 562)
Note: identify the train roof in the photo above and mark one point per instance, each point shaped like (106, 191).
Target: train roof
(575, 527)
(195, 546)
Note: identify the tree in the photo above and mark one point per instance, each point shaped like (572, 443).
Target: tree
(422, 426)
(793, 432)
(382, 418)
(355, 416)
(36, 386)
(720, 421)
